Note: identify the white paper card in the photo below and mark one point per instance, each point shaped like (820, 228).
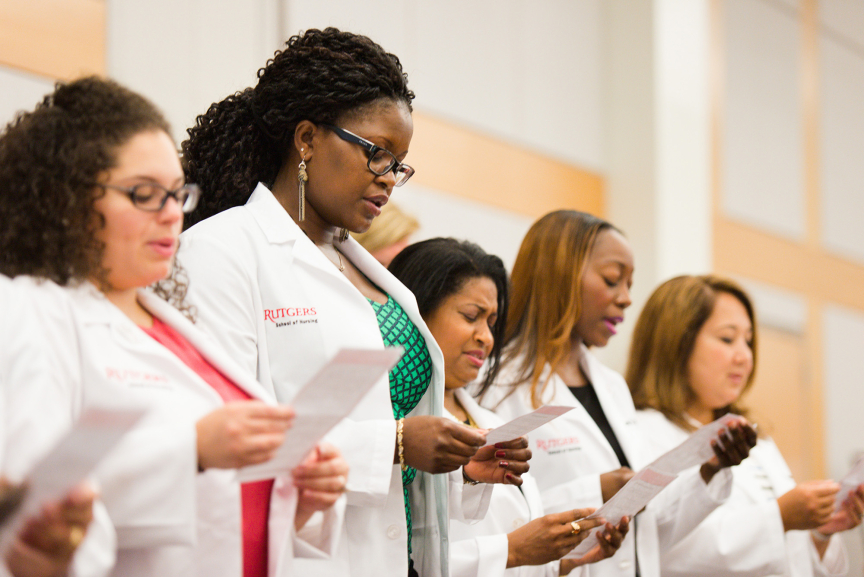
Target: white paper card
(852, 479)
(523, 425)
(95, 433)
(324, 401)
(695, 450)
(629, 500)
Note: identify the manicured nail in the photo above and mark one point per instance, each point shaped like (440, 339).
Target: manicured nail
(500, 454)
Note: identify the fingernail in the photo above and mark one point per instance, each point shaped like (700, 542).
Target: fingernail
(503, 464)
(509, 477)
(499, 445)
(500, 454)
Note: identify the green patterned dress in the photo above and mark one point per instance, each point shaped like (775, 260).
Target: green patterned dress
(411, 376)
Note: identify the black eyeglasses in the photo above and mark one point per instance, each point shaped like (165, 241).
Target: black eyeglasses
(381, 161)
(152, 197)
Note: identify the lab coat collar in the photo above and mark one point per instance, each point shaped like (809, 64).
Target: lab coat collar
(274, 220)
(485, 419)
(279, 228)
(94, 308)
(598, 374)
(206, 346)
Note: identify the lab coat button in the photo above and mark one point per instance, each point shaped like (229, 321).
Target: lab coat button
(625, 564)
(393, 531)
(518, 522)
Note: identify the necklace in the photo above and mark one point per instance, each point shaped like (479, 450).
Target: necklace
(340, 266)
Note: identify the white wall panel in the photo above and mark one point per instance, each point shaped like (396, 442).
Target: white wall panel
(842, 148)
(763, 174)
(497, 231)
(20, 91)
(523, 71)
(559, 90)
(844, 18)
(186, 54)
(390, 23)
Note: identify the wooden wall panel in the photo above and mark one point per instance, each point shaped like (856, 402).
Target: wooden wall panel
(459, 161)
(60, 39)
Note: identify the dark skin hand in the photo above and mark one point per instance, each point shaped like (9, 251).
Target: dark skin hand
(730, 448)
(608, 542)
(548, 538)
(438, 445)
(500, 463)
(46, 542)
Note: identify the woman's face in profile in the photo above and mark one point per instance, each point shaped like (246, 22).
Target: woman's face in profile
(722, 358)
(462, 327)
(140, 245)
(342, 191)
(606, 283)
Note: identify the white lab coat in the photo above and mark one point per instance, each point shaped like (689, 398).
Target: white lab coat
(33, 412)
(282, 309)
(480, 549)
(571, 452)
(170, 519)
(744, 537)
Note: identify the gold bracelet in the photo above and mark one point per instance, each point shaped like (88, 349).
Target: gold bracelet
(399, 424)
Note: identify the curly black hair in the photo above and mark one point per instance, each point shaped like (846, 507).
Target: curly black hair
(436, 268)
(321, 75)
(50, 159)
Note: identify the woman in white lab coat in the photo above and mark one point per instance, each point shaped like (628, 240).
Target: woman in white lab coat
(693, 356)
(462, 292)
(45, 545)
(312, 152)
(92, 196)
(571, 285)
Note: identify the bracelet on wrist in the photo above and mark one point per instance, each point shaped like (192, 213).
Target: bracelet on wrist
(468, 480)
(399, 425)
(820, 536)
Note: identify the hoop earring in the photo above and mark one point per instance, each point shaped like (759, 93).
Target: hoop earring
(302, 179)
(343, 234)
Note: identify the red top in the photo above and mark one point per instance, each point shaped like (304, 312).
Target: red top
(255, 496)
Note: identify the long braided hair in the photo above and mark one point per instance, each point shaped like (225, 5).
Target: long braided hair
(321, 75)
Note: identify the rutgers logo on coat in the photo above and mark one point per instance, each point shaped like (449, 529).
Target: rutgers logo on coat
(291, 316)
(558, 445)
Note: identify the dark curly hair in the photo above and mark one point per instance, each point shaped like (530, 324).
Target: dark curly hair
(321, 75)
(436, 268)
(49, 160)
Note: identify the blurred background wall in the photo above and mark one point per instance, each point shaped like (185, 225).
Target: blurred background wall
(721, 135)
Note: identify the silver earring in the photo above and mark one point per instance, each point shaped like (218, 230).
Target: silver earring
(302, 179)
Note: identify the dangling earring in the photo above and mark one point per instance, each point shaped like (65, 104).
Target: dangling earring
(343, 234)
(302, 179)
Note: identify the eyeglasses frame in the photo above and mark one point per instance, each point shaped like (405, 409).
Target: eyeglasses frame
(371, 149)
(130, 191)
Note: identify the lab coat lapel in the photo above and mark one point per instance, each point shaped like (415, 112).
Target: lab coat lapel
(383, 279)
(596, 373)
(280, 229)
(203, 344)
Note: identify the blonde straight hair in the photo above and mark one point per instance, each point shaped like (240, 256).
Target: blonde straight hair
(546, 296)
(663, 341)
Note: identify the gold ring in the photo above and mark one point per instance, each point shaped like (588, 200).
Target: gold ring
(76, 535)
(576, 527)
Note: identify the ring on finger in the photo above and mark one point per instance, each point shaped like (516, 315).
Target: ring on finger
(575, 528)
(76, 535)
